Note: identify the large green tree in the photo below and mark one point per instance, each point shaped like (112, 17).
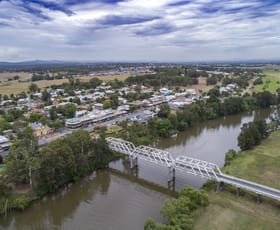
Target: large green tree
(22, 160)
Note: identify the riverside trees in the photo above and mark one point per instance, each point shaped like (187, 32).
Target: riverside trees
(56, 163)
(178, 212)
(251, 134)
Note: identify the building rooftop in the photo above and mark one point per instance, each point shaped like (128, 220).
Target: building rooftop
(3, 139)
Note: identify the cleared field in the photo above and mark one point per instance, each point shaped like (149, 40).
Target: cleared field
(202, 85)
(271, 81)
(23, 76)
(18, 87)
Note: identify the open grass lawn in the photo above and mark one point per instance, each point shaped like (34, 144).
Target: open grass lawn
(227, 211)
(18, 87)
(271, 81)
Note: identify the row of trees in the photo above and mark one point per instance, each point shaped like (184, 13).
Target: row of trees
(179, 211)
(159, 80)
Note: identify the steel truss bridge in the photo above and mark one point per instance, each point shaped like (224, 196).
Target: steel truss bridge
(188, 165)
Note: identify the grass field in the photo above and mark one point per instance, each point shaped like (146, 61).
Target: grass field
(18, 87)
(227, 211)
(271, 81)
(262, 164)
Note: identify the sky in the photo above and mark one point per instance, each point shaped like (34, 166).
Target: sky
(139, 30)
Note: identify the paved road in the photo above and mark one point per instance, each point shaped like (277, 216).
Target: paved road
(251, 186)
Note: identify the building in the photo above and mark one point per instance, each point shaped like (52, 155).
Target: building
(4, 143)
(40, 130)
(165, 91)
(94, 117)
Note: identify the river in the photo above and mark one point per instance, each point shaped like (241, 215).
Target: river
(119, 198)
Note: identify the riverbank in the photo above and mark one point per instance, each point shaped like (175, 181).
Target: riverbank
(227, 211)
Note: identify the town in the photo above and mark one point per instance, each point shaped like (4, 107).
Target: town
(54, 112)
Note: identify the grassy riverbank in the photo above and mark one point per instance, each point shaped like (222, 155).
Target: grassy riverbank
(227, 211)
(261, 164)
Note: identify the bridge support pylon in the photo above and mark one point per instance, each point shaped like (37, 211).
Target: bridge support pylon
(237, 191)
(133, 162)
(258, 198)
(171, 178)
(171, 174)
(220, 186)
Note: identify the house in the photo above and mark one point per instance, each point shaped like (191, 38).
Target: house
(4, 143)
(142, 117)
(22, 101)
(165, 91)
(40, 130)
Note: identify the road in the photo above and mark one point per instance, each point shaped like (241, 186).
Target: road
(251, 186)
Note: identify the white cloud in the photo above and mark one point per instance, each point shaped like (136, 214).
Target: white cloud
(200, 30)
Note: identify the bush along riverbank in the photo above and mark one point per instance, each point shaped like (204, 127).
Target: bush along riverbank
(32, 172)
(179, 211)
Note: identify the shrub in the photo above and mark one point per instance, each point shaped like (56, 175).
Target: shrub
(21, 203)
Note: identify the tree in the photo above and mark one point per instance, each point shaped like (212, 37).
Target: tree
(76, 100)
(230, 155)
(53, 113)
(179, 211)
(164, 111)
(70, 111)
(33, 88)
(46, 96)
(211, 80)
(34, 117)
(163, 128)
(251, 134)
(22, 159)
(94, 82)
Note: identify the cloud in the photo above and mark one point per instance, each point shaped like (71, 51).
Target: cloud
(115, 20)
(171, 30)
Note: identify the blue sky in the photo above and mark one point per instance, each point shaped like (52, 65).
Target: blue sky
(139, 30)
